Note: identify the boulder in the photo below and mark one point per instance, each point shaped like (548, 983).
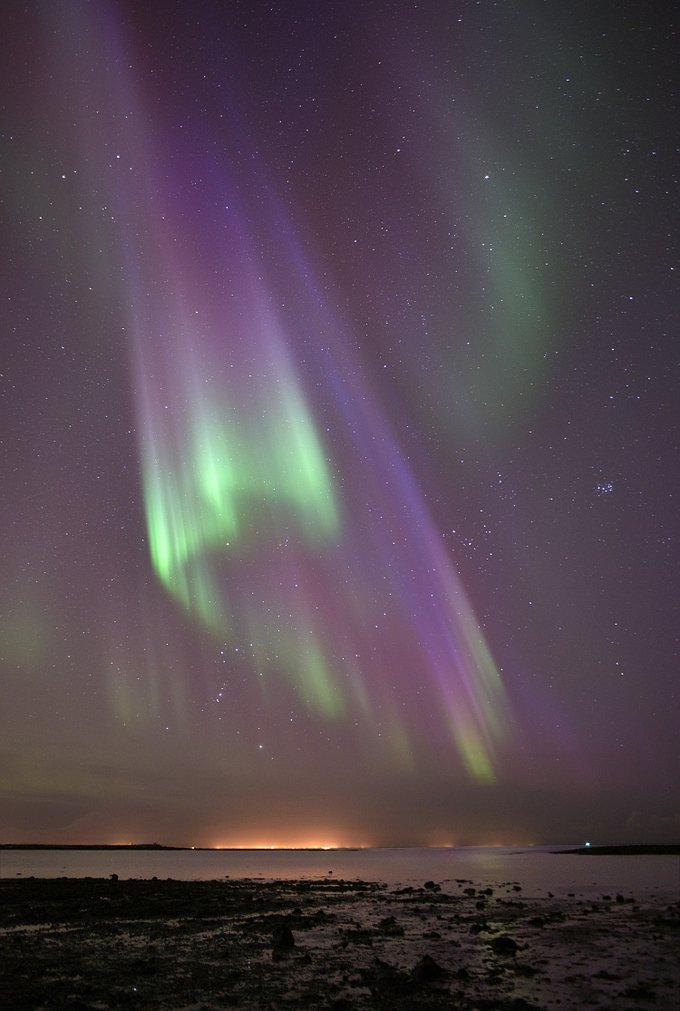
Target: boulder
(503, 945)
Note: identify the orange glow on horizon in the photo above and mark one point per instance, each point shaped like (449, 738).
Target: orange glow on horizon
(319, 841)
(258, 844)
(275, 841)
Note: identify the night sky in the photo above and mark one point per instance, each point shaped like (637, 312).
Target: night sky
(339, 422)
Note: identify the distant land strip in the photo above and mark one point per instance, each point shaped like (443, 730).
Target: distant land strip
(624, 851)
(92, 846)
(672, 849)
(182, 849)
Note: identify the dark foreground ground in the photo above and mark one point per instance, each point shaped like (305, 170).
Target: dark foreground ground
(84, 944)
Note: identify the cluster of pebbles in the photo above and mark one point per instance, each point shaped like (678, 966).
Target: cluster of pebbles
(86, 944)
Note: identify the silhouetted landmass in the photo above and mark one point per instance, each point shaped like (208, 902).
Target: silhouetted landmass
(625, 851)
(90, 846)
(174, 849)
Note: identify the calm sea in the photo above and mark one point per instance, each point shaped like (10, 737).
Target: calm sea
(537, 870)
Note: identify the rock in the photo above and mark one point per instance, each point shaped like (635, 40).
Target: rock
(390, 926)
(384, 970)
(503, 945)
(605, 974)
(641, 991)
(432, 886)
(427, 970)
(522, 969)
(282, 937)
(282, 941)
(383, 978)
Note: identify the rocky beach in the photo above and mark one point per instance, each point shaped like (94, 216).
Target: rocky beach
(86, 944)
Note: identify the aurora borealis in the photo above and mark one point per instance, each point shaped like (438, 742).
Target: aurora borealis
(338, 424)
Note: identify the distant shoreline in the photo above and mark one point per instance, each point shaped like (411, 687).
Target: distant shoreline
(672, 849)
(93, 846)
(625, 851)
(157, 847)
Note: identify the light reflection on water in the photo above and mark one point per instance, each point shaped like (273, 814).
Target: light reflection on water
(536, 870)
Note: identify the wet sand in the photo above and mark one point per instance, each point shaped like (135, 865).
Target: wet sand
(83, 944)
